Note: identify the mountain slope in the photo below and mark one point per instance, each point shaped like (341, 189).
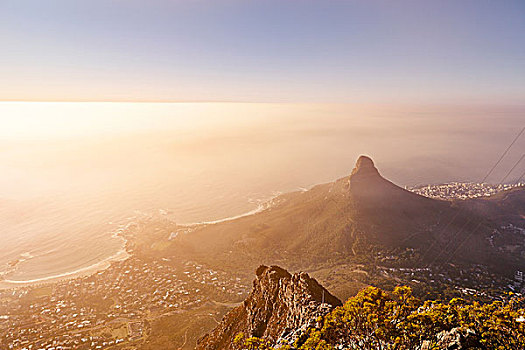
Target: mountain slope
(340, 220)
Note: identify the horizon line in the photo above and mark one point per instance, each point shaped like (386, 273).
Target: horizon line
(164, 101)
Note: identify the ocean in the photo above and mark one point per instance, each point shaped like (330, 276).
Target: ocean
(73, 174)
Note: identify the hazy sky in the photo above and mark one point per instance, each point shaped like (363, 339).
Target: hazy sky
(292, 51)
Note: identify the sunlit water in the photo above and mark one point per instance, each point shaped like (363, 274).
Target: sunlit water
(70, 174)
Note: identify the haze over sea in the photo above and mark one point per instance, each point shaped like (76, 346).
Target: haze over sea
(71, 173)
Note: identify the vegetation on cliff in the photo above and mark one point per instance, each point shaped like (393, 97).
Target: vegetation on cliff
(376, 319)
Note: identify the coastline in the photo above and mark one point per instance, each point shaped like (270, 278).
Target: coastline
(121, 255)
(264, 205)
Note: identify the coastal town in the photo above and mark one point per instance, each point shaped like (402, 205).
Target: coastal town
(462, 190)
(110, 309)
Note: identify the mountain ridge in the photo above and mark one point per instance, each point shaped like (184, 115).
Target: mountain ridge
(334, 221)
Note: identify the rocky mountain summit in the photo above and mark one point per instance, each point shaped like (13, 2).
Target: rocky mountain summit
(364, 166)
(280, 306)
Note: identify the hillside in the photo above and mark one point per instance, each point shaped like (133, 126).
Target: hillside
(348, 219)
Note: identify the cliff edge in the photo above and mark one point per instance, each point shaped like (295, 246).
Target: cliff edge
(280, 306)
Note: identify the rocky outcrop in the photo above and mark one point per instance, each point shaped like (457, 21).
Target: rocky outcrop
(364, 167)
(455, 339)
(280, 306)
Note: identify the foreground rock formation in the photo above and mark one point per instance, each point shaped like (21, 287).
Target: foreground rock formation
(279, 307)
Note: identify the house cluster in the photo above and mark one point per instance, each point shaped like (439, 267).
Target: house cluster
(461, 190)
(518, 285)
(108, 308)
(472, 281)
(222, 281)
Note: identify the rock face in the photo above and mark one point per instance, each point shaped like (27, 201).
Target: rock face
(364, 167)
(455, 339)
(280, 305)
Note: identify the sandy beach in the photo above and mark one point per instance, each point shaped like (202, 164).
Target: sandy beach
(82, 272)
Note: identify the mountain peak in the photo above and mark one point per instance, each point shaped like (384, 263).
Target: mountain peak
(274, 272)
(364, 166)
(281, 305)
